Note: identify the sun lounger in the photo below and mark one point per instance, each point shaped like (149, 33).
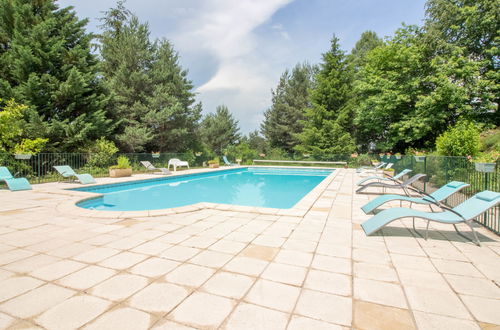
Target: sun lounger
(67, 172)
(380, 178)
(434, 198)
(227, 162)
(371, 168)
(14, 184)
(177, 162)
(395, 184)
(463, 213)
(155, 170)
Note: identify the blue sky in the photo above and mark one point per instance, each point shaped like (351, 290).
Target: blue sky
(235, 50)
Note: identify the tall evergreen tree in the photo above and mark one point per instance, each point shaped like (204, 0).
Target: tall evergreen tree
(366, 43)
(151, 97)
(220, 130)
(328, 122)
(284, 119)
(46, 63)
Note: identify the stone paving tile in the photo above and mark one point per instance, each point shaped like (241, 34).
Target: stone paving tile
(159, 297)
(325, 307)
(300, 323)
(332, 264)
(285, 274)
(249, 316)
(294, 258)
(368, 315)
(428, 321)
(483, 309)
(273, 295)
(246, 266)
(123, 319)
(339, 284)
(229, 285)
(379, 292)
(86, 277)
(474, 286)
(154, 267)
(73, 313)
(36, 301)
(119, 287)
(5, 321)
(375, 272)
(15, 286)
(290, 268)
(190, 275)
(436, 301)
(194, 310)
(211, 259)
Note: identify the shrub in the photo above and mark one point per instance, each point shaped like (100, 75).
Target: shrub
(29, 146)
(463, 139)
(102, 153)
(122, 163)
(213, 161)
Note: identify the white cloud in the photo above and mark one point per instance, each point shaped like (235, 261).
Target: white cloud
(225, 29)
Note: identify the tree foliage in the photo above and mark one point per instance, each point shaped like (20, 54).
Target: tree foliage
(219, 130)
(284, 119)
(151, 97)
(46, 63)
(328, 122)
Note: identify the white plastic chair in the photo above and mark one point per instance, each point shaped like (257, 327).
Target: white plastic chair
(177, 162)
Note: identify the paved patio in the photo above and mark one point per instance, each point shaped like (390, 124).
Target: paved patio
(213, 268)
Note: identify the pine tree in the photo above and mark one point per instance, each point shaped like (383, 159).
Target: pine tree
(46, 63)
(151, 97)
(220, 130)
(328, 122)
(284, 119)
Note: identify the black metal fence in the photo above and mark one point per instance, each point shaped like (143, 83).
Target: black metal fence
(439, 170)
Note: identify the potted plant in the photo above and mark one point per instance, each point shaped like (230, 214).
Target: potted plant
(213, 163)
(198, 154)
(486, 162)
(397, 155)
(155, 154)
(121, 169)
(29, 147)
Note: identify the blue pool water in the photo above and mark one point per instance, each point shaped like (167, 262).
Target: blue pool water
(262, 187)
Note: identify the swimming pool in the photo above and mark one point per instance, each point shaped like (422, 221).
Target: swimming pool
(252, 186)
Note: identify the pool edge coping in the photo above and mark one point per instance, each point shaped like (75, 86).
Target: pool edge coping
(299, 209)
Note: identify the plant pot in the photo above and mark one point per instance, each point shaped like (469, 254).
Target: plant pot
(22, 156)
(213, 165)
(155, 155)
(419, 159)
(398, 157)
(485, 167)
(120, 172)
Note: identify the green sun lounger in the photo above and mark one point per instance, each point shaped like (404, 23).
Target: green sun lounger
(393, 184)
(227, 162)
(463, 213)
(380, 178)
(14, 184)
(67, 172)
(434, 198)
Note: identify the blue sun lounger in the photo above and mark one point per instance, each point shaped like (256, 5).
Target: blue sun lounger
(14, 184)
(434, 198)
(67, 172)
(463, 213)
(380, 178)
